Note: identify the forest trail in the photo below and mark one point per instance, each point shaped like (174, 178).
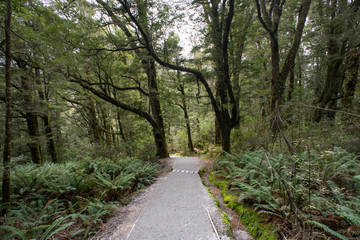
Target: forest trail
(177, 206)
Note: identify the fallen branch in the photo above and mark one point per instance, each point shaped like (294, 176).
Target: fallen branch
(330, 110)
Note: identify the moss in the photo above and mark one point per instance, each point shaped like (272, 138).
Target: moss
(226, 220)
(254, 221)
(230, 198)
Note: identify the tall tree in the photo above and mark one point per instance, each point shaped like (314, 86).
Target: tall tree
(269, 15)
(339, 30)
(225, 107)
(6, 187)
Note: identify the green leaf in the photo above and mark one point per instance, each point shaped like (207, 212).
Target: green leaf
(328, 230)
(14, 230)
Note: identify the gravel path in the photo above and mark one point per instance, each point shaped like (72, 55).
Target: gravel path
(176, 207)
(177, 210)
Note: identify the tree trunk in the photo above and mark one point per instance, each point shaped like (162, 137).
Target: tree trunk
(120, 127)
(94, 122)
(106, 126)
(50, 142)
(31, 117)
(6, 187)
(217, 134)
(350, 85)
(225, 138)
(33, 130)
(186, 116)
(335, 63)
(291, 84)
(270, 19)
(159, 132)
(188, 130)
(50, 139)
(275, 94)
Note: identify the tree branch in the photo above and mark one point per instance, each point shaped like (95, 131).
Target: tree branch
(85, 84)
(152, 52)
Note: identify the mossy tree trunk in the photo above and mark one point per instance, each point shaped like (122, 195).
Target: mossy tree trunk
(50, 141)
(155, 108)
(335, 62)
(351, 81)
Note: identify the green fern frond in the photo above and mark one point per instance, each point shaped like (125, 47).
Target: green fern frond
(328, 230)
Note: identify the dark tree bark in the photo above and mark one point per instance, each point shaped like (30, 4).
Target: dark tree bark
(30, 110)
(184, 107)
(156, 112)
(217, 134)
(335, 63)
(33, 130)
(6, 187)
(291, 84)
(270, 19)
(31, 117)
(120, 127)
(50, 141)
(350, 84)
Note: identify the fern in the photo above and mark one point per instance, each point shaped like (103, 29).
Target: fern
(18, 232)
(279, 185)
(328, 230)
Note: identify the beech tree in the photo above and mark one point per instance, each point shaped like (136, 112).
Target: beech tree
(341, 42)
(269, 15)
(225, 108)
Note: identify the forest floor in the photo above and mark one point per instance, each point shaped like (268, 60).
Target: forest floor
(176, 206)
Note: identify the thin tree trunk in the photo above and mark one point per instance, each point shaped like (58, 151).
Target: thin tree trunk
(106, 126)
(94, 122)
(186, 116)
(6, 187)
(50, 142)
(121, 129)
(188, 130)
(291, 84)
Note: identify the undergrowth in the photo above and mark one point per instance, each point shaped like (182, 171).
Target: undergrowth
(70, 200)
(311, 195)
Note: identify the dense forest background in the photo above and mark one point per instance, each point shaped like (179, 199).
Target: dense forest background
(93, 93)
